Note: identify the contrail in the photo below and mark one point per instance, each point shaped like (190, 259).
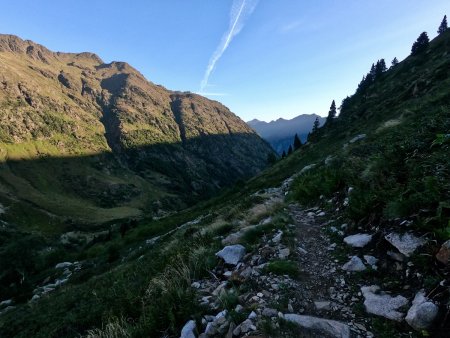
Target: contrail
(240, 10)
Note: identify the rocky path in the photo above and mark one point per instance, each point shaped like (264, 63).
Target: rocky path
(296, 274)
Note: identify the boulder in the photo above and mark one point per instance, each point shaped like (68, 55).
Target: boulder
(320, 325)
(232, 254)
(354, 264)
(358, 240)
(443, 255)
(244, 327)
(322, 305)
(382, 304)
(284, 253)
(188, 330)
(422, 312)
(269, 312)
(406, 243)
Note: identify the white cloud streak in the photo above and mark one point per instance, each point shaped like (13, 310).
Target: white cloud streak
(240, 11)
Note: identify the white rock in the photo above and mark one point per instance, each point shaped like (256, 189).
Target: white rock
(277, 238)
(232, 254)
(381, 304)
(307, 168)
(357, 138)
(324, 326)
(284, 253)
(5, 303)
(196, 285)
(63, 265)
(358, 240)
(188, 330)
(406, 243)
(354, 264)
(252, 315)
(422, 312)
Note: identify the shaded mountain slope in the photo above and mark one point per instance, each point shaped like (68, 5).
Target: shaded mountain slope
(158, 148)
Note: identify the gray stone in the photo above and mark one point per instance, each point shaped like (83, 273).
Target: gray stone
(277, 238)
(188, 330)
(422, 312)
(396, 256)
(358, 240)
(381, 304)
(322, 305)
(406, 243)
(284, 253)
(323, 326)
(232, 254)
(269, 312)
(354, 264)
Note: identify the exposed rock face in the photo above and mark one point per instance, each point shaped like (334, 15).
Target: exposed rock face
(381, 304)
(422, 312)
(144, 137)
(324, 326)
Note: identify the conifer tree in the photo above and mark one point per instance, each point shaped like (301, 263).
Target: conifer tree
(283, 155)
(297, 142)
(316, 125)
(421, 44)
(331, 113)
(394, 62)
(290, 150)
(443, 27)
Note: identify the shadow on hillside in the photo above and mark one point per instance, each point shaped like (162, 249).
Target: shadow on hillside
(134, 181)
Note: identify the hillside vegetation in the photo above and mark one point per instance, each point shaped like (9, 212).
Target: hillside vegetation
(381, 167)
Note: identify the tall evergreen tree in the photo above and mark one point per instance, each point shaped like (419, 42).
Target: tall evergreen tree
(290, 150)
(443, 26)
(316, 126)
(283, 155)
(394, 62)
(421, 44)
(331, 113)
(380, 67)
(297, 142)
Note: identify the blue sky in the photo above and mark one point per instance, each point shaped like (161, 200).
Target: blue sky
(282, 57)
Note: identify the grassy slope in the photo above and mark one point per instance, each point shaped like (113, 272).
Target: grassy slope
(391, 170)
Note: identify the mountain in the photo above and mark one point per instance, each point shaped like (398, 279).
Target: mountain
(280, 133)
(347, 236)
(85, 140)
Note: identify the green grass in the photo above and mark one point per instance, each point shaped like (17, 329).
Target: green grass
(284, 267)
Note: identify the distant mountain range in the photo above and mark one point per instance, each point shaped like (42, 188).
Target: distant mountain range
(280, 133)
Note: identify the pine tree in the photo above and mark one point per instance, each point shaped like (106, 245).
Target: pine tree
(283, 155)
(290, 150)
(394, 62)
(421, 44)
(331, 113)
(297, 142)
(316, 125)
(443, 27)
